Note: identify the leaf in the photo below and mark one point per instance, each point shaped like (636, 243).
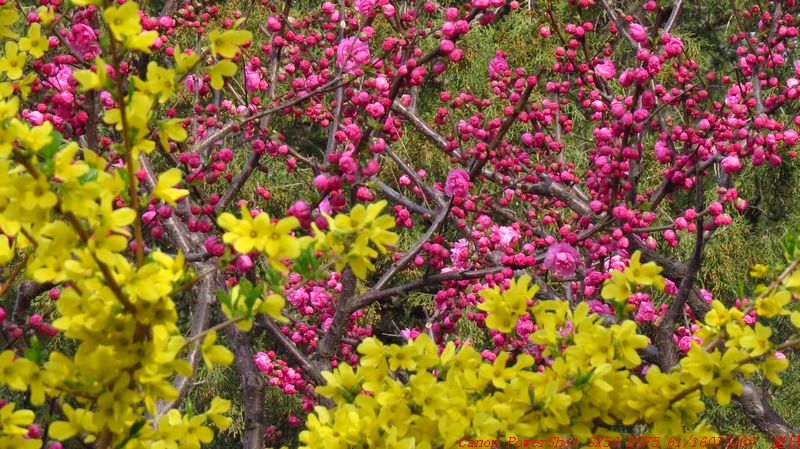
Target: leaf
(34, 352)
(49, 150)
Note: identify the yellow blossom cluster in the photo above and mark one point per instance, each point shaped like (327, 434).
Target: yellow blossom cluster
(504, 309)
(350, 235)
(589, 382)
(60, 224)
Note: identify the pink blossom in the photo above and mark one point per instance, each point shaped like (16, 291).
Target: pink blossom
(365, 7)
(638, 33)
(605, 70)
(457, 184)
(459, 253)
(252, 77)
(673, 47)
(685, 343)
(60, 81)
(263, 362)
(507, 235)
(562, 258)
(646, 312)
(35, 118)
(193, 83)
(731, 164)
(375, 110)
(498, 66)
(600, 307)
(83, 40)
(352, 52)
(409, 334)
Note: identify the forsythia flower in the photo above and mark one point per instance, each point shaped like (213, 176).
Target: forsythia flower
(215, 354)
(92, 80)
(183, 61)
(644, 274)
(6, 250)
(124, 20)
(160, 81)
(227, 43)
(8, 17)
(773, 304)
(504, 309)
(219, 70)
(15, 422)
(260, 233)
(171, 129)
(617, 288)
(165, 188)
(351, 235)
(35, 43)
(12, 61)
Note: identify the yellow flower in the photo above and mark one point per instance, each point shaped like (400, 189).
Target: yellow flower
(219, 70)
(644, 274)
(171, 129)
(160, 81)
(227, 44)
(629, 341)
(272, 306)
(142, 41)
(46, 14)
(124, 20)
(15, 422)
(8, 17)
(184, 62)
(12, 61)
(759, 271)
(215, 354)
(216, 411)
(272, 239)
(165, 188)
(6, 250)
(617, 288)
(35, 43)
(773, 304)
(756, 341)
(503, 310)
(92, 80)
(137, 112)
(772, 366)
(341, 385)
(37, 137)
(78, 420)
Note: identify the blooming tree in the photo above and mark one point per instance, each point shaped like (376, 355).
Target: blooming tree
(562, 210)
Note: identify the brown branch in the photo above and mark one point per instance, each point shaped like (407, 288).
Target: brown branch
(441, 217)
(252, 386)
(290, 349)
(667, 348)
(330, 342)
(373, 296)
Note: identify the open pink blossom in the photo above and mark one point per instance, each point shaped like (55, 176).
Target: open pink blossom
(83, 40)
(252, 77)
(263, 362)
(638, 33)
(605, 70)
(673, 47)
(562, 259)
(498, 66)
(352, 52)
(731, 164)
(365, 7)
(646, 312)
(457, 184)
